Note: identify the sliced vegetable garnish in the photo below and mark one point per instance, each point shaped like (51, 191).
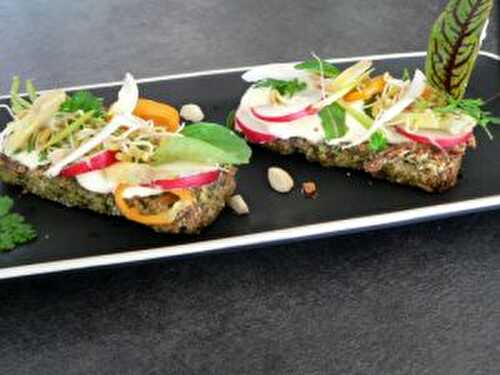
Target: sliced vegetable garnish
(42, 110)
(319, 67)
(252, 135)
(67, 131)
(454, 44)
(434, 138)
(285, 88)
(163, 218)
(373, 87)
(350, 76)
(414, 91)
(307, 111)
(117, 122)
(95, 163)
(333, 121)
(161, 114)
(192, 181)
(83, 101)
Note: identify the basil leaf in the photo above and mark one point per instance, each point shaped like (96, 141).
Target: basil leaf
(206, 143)
(333, 121)
(313, 66)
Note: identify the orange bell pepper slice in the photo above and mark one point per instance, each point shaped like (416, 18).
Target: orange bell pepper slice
(162, 218)
(161, 114)
(373, 87)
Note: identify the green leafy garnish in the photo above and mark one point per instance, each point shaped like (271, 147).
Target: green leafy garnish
(31, 90)
(406, 75)
(285, 88)
(83, 101)
(317, 66)
(205, 143)
(17, 103)
(472, 107)
(378, 142)
(230, 119)
(333, 121)
(68, 130)
(454, 44)
(14, 230)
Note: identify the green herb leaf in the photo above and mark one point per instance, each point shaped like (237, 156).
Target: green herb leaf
(230, 119)
(17, 103)
(204, 142)
(83, 101)
(471, 107)
(378, 142)
(31, 90)
(315, 65)
(285, 88)
(406, 74)
(333, 121)
(454, 44)
(13, 228)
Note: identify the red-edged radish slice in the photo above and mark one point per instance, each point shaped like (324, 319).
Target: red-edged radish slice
(442, 141)
(97, 162)
(307, 111)
(252, 135)
(196, 180)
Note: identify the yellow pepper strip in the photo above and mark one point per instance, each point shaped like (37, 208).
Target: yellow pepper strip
(373, 87)
(163, 218)
(160, 113)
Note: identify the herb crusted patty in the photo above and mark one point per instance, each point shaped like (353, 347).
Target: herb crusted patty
(418, 165)
(209, 200)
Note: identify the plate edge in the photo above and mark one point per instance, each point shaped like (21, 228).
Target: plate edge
(202, 73)
(335, 227)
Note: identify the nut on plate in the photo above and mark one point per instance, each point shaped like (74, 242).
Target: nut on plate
(238, 204)
(309, 189)
(192, 112)
(280, 180)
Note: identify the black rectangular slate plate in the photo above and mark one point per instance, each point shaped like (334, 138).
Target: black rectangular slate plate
(347, 202)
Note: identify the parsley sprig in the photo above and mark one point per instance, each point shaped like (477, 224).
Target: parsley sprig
(14, 230)
(83, 101)
(285, 88)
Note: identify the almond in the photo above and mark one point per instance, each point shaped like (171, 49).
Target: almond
(238, 204)
(280, 180)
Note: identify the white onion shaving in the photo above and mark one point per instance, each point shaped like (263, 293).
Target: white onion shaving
(127, 97)
(284, 71)
(415, 90)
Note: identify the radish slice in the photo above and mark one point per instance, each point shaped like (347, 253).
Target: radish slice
(308, 111)
(441, 141)
(196, 180)
(100, 161)
(252, 135)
